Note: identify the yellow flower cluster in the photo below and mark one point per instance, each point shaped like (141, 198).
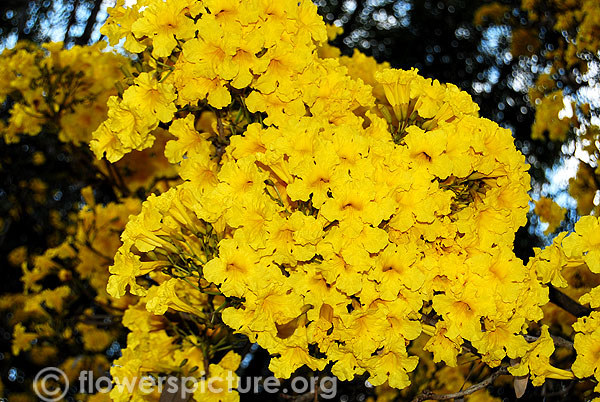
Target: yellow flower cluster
(432, 377)
(61, 91)
(577, 25)
(584, 244)
(550, 213)
(153, 350)
(359, 65)
(585, 185)
(587, 345)
(570, 252)
(492, 13)
(336, 229)
(577, 19)
(257, 54)
(524, 42)
(332, 210)
(92, 248)
(536, 361)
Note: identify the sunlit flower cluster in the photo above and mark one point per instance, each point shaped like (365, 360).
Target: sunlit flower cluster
(577, 253)
(549, 124)
(257, 55)
(336, 234)
(587, 344)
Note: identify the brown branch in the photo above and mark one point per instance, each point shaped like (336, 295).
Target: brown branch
(120, 180)
(108, 259)
(220, 127)
(300, 398)
(558, 341)
(428, 395)
(222, 140)
(566, 303)
(115, 179)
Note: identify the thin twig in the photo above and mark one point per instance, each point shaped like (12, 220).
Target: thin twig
(220, 128)
(428, 395)
(558, 341)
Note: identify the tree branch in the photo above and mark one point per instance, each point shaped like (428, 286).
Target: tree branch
(428, 395)
(566, 303)
(558, 341)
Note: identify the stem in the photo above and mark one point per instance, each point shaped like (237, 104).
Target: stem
(558, 341)
(428, 395)
(566, 303)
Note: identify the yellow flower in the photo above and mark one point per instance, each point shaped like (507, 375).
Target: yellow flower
(314, 177)
(444, 348)
(233, 269)
(153, 97)
(164, 22)
(536, 361)
(462, 307)
(192, 86)
(221, 381)
(396, 270)
(189, 141)
(393, 367)
(550, 262)
(547, 123)
(94, 339)
(587, 362)
(17, 256)
(585, 241)
(212, 52)
(126, 268)
(501, 339)
(119, 25)
(591, 297)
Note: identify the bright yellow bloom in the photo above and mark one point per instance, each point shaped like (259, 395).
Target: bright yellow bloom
(154, 98)
(328, 212)
(164, 23)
